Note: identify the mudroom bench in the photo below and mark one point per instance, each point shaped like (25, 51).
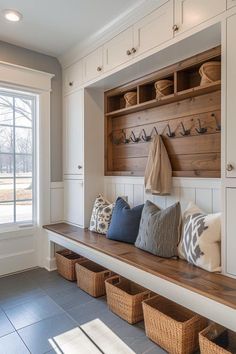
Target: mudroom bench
(209, 294)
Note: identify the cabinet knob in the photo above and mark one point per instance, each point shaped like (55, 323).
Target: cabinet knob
(128, 52)
(80, 167)
(71, 83)
(133, 50)
(175, 28)
(229, 167)
(99, 68)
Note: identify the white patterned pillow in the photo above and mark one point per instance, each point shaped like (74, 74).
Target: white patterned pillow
(101, 215)
(201, 237)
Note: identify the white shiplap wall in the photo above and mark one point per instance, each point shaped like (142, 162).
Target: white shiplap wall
(205, 192)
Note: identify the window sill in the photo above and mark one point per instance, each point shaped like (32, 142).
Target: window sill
(16, 229)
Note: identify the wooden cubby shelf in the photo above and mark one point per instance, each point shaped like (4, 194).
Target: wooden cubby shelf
(188, 104)
(175, 97)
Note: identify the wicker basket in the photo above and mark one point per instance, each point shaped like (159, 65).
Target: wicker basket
(130, 99)
(124, 298)
(217, 339)
(91, 278)
(163, 88)
(210, 72)
(172, 326)
(66, 261)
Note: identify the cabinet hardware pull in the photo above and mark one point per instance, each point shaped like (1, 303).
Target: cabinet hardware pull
(229, 167)
(99, 68)
(71, 83)
(133, 50)
(128, 52)
(175, 28)
(79, 167)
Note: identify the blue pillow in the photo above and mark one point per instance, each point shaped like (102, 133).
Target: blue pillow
(125, 222)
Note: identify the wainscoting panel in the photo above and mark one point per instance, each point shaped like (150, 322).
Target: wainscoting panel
(57, 202)
(205, 192)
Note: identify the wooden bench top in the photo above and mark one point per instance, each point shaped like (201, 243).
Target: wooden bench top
(214, 286)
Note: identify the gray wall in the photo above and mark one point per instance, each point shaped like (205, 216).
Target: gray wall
(21, 56)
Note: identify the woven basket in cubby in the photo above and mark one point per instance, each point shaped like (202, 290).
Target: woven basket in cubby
(65, 261)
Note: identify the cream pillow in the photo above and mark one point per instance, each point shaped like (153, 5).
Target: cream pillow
(201, 237)
(101, 215)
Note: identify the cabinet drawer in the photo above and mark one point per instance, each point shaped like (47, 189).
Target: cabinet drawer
(115, 51)
(190, 13)
(73, 77)
(93, 65)
(147, 33)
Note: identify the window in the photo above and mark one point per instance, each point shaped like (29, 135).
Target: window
(17, 122)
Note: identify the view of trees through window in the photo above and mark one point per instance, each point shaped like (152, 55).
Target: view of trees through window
(17, 113)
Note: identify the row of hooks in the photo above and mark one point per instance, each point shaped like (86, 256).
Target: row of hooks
(171, 134)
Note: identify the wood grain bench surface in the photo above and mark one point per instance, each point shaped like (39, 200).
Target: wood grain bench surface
(214, 286)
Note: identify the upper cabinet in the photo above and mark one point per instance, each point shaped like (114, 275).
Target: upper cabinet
(93, 65)
(73, 77)
(73, 134)
(118, 50)
(154, 29)
(190, 13)
(231, 3)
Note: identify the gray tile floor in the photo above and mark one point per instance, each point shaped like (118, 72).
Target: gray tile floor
(38, 305)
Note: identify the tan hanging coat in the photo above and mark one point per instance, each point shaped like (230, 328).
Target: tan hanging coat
(158, 173)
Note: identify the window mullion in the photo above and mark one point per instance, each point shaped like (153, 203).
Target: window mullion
(14, 158)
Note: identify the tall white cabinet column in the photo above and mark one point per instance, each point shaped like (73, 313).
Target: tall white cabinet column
(229, 146)
(83, 147)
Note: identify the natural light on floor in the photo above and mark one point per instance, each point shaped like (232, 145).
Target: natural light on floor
(93, 337)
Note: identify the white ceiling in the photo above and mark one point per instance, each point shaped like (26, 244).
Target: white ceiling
(54, 26)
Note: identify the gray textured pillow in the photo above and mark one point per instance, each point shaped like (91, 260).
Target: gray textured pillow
(159, 230)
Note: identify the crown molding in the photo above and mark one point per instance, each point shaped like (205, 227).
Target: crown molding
(110, 30)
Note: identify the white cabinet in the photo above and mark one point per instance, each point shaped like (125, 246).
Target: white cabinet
(231, 3)
(154, 29)
(74, 201)
(190, 13)
(230, 98)
(73, 133)
(118, 50)
(93, 65)
(73, 77)
(231, 231)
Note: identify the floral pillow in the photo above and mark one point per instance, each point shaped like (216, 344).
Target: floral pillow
(201, 237)
(101, 215)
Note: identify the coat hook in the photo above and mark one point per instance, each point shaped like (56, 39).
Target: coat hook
(146, 137)
(218, 126)
(133, 137)
(185, 131)
(200, 130)
(125, 141)
(170, 134)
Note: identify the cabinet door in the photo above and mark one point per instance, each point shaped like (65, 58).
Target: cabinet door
(190, 13)
(74, 201)
(230, 98)
(73, 77)
(230, 231)
(93, 65)
(154, 29)
(116, 51)
(73, 133)
(231, 3)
